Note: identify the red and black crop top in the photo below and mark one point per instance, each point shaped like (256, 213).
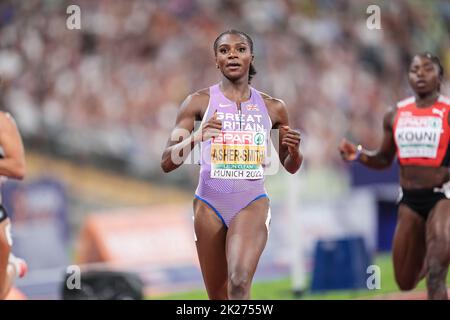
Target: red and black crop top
(422, 135)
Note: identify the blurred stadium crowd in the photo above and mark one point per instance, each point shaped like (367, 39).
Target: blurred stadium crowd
(110, 91)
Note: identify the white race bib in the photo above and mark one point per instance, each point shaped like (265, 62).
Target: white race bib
(418, 137)
(238, 155)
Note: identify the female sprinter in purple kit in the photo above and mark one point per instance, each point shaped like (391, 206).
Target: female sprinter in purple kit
(231, 205)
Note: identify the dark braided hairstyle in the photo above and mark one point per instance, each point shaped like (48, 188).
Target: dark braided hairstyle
(252, 70)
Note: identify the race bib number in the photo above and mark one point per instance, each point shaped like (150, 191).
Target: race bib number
(418, 137)
(238, 155)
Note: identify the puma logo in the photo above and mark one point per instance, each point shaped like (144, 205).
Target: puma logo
(439, 112)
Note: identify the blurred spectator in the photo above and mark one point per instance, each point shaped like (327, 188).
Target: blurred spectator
(110, 91)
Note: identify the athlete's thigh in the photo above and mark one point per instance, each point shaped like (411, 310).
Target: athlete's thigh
(210, 236)
(438, 232)
(409, 243)
(247, 237)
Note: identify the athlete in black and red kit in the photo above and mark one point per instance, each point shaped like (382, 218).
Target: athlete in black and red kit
(417, 131)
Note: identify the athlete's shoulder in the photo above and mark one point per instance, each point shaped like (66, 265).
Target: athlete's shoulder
(6, 118)
(201, 95)
(196, 101)
(7, 123)
(406, 102)
(444, 99)
(273, 103)
(276, 109)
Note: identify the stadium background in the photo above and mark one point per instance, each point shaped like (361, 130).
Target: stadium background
(95, 107)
